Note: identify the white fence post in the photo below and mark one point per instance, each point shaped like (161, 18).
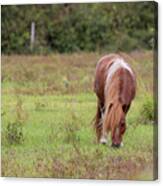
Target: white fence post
(32, 34)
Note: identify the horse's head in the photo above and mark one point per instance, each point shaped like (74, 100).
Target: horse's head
(117, 133)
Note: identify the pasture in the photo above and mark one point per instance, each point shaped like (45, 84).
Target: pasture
(48, 105)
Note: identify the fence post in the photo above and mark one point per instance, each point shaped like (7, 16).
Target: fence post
(32, 35)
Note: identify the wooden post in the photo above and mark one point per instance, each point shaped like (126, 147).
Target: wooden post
(32, 34)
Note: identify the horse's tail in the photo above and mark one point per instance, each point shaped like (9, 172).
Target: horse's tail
(113, 114)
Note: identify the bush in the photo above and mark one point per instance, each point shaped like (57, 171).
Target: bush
(14, 133)
(14, 130)
(147, 111)
(79, 27)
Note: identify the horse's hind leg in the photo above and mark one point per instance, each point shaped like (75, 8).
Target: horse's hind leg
(98, 121)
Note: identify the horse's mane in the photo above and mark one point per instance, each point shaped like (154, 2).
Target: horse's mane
(113, 106)
(113, 115)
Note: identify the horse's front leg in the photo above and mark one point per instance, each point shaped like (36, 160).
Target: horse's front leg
(104, 131)
(104, 134)
(98, 121)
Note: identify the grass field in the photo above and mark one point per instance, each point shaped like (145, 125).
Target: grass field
(48, 106)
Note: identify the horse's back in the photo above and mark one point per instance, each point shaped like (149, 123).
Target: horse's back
(109, 67)
(101, 74)
(128, 87)
(122, 86)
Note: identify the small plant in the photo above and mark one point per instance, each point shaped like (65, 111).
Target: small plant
(39, 105)
(67, 86)
(71, 129)
(71, 133)
(14, 130)
(147, 111)
(3, 113)
(66, 82)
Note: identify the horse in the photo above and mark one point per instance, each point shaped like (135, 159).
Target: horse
(115, 88)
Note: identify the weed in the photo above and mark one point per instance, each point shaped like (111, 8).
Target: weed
(147, 110)
(15, 133)
(39, 105)
(71, 129)
(14, 129)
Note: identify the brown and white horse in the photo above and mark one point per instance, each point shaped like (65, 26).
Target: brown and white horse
(115, 87)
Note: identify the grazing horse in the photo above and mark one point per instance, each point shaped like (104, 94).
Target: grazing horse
(115, 87)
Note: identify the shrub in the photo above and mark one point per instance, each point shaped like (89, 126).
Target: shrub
(147, 110)
(67, 28)
(14, 129)
(15, 133)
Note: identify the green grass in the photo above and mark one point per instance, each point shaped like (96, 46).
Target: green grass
(59, 139)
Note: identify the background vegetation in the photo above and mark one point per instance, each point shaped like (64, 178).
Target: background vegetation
(79, 27)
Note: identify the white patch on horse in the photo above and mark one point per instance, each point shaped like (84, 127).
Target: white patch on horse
(103, 139)
(119, 63)
(122, 144)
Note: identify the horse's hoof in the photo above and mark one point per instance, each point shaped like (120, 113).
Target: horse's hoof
(117, 145)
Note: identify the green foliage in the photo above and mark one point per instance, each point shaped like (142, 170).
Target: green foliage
(147, 110)
(71, 129)
(14, 130)
(14, 133)
(79, 27)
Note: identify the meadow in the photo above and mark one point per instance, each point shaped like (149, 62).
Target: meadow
(48, 106)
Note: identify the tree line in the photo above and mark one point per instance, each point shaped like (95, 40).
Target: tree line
(87, 27)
